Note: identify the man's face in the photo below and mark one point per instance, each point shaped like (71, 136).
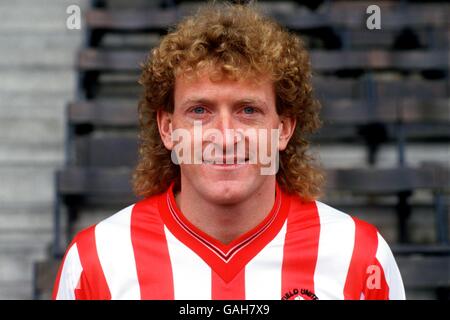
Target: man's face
(224, 166)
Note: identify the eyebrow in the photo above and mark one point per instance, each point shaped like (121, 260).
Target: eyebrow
(211, 102)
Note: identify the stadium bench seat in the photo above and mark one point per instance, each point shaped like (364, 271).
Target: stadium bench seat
(322, 60)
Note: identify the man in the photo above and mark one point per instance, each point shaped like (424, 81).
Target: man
(216, 223)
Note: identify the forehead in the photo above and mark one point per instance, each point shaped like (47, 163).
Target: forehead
(211, 86)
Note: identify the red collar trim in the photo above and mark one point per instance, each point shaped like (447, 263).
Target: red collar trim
(226, 259)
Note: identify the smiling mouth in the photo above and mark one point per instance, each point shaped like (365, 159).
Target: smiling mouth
(225, 163)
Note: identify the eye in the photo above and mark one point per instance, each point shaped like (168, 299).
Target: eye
(199, 110)
(249, 110)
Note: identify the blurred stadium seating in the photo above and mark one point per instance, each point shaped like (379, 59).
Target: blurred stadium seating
(379, 89)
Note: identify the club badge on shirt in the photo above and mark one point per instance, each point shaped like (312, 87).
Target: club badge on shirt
(299, 294)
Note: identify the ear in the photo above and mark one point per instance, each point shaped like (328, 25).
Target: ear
(287, 127)
(164, 120)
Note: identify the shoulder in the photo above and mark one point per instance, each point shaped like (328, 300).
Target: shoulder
(332, 226)
(328, 216)
(364, 236)
(119, 220)
(336, 218)
(118, 227)
(367, 244)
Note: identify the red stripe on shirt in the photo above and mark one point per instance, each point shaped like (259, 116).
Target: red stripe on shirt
(300, 248)
(378, 293)
(80, 292)
(364, 251)
(151, 252)
(233, 290)
(95, 285)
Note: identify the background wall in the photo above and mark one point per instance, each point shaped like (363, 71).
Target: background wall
(37, 79)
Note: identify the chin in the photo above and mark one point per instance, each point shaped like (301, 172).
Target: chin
(228, 192)
(226, 187)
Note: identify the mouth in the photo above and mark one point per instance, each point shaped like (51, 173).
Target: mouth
(224, 162)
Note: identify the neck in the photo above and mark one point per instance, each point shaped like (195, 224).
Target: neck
(226, 222)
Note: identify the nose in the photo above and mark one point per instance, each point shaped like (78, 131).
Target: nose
(224, 121)
(226, 125)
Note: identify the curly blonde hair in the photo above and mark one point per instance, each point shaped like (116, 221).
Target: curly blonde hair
(239, 42)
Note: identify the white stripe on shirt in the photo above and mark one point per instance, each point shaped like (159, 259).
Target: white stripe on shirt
(391, 272)
(70, 275)
(263, 272)
(336, 242)
(191, 275)
(116, 255)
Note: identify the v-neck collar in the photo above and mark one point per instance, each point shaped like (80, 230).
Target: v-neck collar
(225, 259)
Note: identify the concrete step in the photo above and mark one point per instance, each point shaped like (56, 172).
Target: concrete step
(41, 236)
(35, 105)
(42, 154)
(18, 265)
(26, 218)
(32, 136)
(26, 184)
(16, 290)
(51, 41)
(38, 81)
(42, 58)
(30, 131)
(36, 16)
(40, 3)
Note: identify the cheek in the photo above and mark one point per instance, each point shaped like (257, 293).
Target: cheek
(261, 142)
(179, 121)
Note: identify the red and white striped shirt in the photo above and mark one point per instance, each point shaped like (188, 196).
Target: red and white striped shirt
(302, 250)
